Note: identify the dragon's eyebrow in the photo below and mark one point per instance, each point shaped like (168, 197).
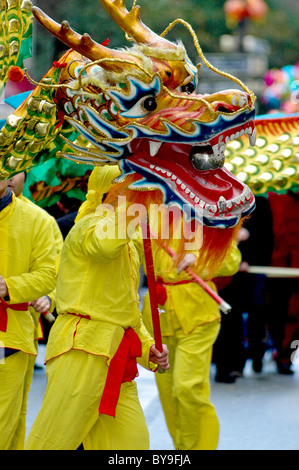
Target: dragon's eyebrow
(137, 89)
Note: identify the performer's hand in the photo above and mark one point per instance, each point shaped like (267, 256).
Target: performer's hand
(243, 235)
(160, 358)
(244, 266)
(188, 260)
(3, 287)
(41, 305)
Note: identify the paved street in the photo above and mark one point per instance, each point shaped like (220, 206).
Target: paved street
(257, 412)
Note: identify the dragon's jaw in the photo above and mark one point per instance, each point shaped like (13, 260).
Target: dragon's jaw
(214, 195)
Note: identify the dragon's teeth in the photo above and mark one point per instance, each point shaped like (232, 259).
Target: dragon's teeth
(247, 193)
(222, 204)
(154, 147)
(216, 150)
(211, 207)
(252, 138)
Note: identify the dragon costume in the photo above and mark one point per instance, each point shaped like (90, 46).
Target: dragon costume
(139, 108)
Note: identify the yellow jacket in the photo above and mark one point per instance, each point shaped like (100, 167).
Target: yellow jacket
(189, 302)
(58, 242)
(27, 263)
(58, 239)
(98, 278)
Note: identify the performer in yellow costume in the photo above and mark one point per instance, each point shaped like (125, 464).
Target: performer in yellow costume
(37, 307)
(91, 396)
(190, 323)
(45, 303)
(27, 271)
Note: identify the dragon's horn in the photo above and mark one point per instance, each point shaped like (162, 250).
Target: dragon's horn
(131, 23)
(80, 43)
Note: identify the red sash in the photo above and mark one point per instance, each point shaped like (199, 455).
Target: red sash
(161, 291)
(3, 311)
(122, 368)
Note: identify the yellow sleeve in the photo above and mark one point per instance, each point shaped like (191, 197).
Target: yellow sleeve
(41, 276)
(147, 342)
(231, 263)
(138, 242)
(101, 237)
(52, 297)
(58, 240)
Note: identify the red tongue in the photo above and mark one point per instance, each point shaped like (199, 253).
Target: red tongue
(207, 185)
(215, 183)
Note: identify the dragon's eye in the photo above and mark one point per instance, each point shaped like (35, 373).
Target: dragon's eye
(140, 109)
(189, 88)
(150, 104)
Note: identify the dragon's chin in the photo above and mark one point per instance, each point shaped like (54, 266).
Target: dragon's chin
(215, 196)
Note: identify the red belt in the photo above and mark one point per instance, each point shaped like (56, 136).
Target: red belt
(3, 311)
(161, 291)
(122, 368)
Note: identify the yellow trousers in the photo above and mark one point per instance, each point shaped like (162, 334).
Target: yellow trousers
(69, 412)
(18, 441)
(185, 388)
(15, 379)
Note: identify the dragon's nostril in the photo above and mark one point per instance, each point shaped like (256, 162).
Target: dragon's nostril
(224, 107)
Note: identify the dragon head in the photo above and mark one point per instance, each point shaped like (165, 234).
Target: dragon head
(139, 107)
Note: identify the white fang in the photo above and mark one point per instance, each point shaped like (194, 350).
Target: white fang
(252, 138)
(154, 147)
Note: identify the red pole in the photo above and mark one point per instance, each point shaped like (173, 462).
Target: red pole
(151, 280)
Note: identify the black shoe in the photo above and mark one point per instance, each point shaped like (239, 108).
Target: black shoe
(284, 369)
(225, 378)
(257, 365)
(236, 374)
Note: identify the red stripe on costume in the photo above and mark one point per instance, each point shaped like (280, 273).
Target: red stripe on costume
(122, 368)
(23, 307)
